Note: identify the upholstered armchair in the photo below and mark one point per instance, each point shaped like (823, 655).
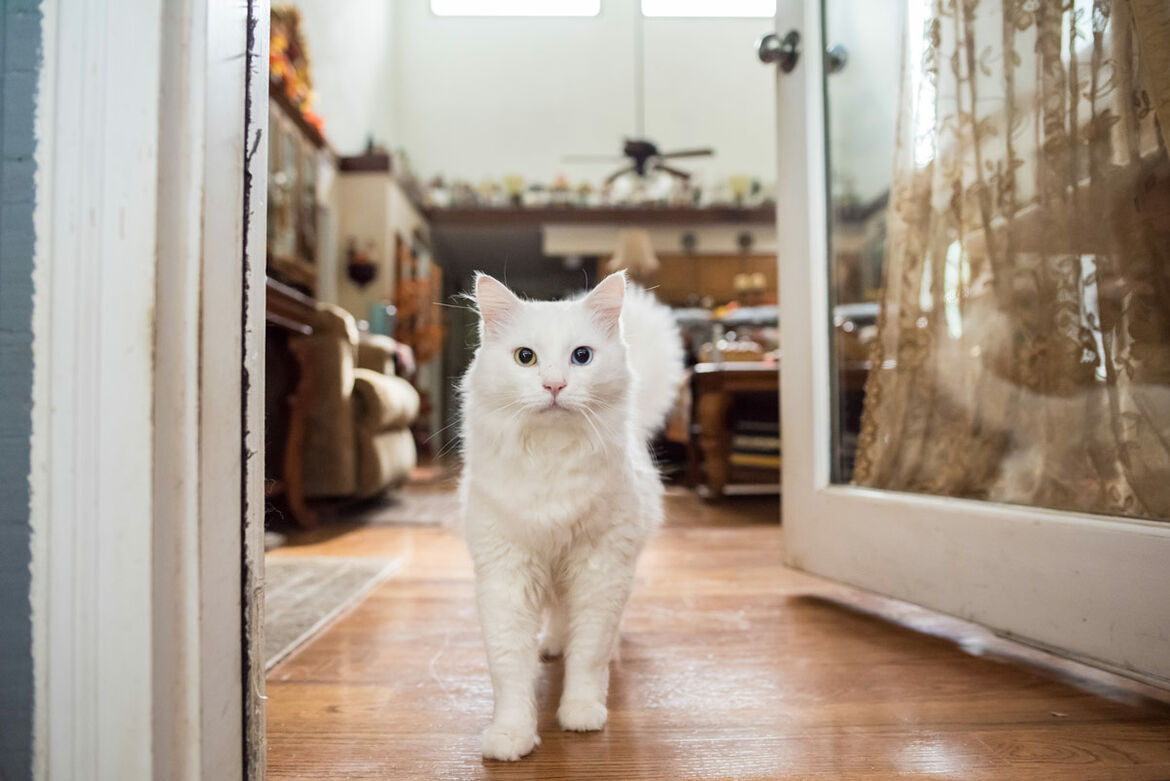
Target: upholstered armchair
(350, 420)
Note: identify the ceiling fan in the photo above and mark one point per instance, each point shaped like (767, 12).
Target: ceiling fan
(644, 158)
(642, 153)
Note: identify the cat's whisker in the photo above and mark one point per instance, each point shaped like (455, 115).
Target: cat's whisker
(597, 423)
(447, 448)
(440, 431)
(512, 418)
(588, 419)
(604, 405)
(511, 404)
(456, 306)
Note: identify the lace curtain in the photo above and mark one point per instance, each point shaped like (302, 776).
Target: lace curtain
(1023, 350)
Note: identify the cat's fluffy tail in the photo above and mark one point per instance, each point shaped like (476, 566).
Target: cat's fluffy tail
(656, 355)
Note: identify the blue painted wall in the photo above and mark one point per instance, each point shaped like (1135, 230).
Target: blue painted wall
(20, 54)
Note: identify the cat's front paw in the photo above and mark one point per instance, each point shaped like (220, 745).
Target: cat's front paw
(508, 742)
(582, 715)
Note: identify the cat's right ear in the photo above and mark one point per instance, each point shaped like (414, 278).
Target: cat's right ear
(495, 302)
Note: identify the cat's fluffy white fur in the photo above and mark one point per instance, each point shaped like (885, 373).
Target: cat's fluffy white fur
(559, 499)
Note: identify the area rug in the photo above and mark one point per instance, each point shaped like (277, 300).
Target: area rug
(414, 507)
(304, 593)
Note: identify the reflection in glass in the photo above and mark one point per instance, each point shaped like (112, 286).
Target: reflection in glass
(1022, 238)
(862, 96)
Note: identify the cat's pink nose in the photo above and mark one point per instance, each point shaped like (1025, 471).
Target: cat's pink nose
(554, 387)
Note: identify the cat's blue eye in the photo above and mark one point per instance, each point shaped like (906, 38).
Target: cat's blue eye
(582, 356)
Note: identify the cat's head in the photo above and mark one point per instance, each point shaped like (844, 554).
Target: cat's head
(552, 361)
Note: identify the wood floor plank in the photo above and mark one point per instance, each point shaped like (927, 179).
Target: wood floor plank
(730, 666)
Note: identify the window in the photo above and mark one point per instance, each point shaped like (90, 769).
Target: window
(709, 8)
(516, 7)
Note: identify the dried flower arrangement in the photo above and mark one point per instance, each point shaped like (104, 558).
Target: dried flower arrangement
(288, 63)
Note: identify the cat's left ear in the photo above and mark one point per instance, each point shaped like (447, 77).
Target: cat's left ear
(495, 302)
(605, 300)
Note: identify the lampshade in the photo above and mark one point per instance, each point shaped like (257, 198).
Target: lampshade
(635, 254)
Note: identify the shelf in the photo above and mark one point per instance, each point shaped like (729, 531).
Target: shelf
(626, 215)
(376, 162)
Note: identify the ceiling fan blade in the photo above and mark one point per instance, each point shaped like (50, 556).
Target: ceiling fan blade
(705, 152)
(610, 179)
(592, 159)
(672, 171)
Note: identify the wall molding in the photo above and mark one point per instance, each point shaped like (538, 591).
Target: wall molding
(94, 348)
(147, 464)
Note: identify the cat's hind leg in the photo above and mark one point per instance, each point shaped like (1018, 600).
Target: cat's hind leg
(556, 629)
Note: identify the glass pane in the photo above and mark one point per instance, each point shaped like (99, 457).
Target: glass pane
(1001, 291)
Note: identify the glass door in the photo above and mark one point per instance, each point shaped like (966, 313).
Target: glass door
(974, 211)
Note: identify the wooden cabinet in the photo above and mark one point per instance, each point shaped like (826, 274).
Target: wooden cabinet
(297, 156)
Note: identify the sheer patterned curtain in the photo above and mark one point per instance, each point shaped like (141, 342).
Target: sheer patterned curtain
(1023, 351)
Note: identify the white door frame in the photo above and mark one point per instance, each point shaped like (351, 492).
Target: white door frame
(147, 453)
(1085, 586)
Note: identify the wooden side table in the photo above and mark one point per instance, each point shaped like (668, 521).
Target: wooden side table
(289, 315)
(716, 385)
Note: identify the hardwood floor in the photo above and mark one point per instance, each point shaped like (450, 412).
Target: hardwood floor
(731, 666)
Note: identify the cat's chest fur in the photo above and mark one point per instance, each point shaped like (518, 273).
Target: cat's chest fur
(549, 480)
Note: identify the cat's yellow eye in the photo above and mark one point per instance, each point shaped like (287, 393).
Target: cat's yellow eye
(525, 356)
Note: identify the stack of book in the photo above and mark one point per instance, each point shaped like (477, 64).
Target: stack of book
(756, 443)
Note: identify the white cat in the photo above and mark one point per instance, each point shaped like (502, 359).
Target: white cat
(559, 491)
